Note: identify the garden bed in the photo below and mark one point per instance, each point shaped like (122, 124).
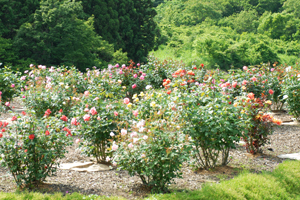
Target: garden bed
(285, 139)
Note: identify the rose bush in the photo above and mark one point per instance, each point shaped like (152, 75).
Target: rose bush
(30, 147)
(150, 143)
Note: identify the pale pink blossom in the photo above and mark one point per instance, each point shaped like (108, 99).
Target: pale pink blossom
(86, 93)
(114, 164)
(123, 132)
(142, 77)
(77, 141)
(98, 118)
(272, 69)
(135, 76)
(143, 155)
(86, 110)
(120, 72)
(135, 140)
(114, 147)
(145, 137)
(23, 78)
(116, 113)
(7, 104)
(107, 159)
(133, 134)
(130, 145)
(144, 74)
(112, 134)
(245, 68)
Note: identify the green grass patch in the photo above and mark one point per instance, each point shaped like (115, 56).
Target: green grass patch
(57, 196)
(283, 183)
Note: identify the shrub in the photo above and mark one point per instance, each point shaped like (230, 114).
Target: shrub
(153, 147)
(31, 146)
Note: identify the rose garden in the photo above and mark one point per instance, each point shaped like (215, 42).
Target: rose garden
(148, 120)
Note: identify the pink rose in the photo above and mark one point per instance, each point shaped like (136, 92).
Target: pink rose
(117, 65)
(74, 121)
(123, 132)
(130, 145)
(114, 147)
(234, 84)
(135, 113)
(86, 93)
(133, 86)
(245, 68)
(116, 113)
(77, 141)
(254, 79)
(86, 110)
(12, 85)
(126, 100)
(272, 69)
(86, 117)
(244, 82)
(120, 72)
(7, 104)
(93, 111)
(135, 76)
(142, 77)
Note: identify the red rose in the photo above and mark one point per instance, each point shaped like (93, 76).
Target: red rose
(1, 135)
(31, 136)
(47, 132)
(64, 118)
(3, 130)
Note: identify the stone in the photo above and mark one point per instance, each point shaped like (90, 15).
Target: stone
(93, 168)
(75, 165)
(293, 156)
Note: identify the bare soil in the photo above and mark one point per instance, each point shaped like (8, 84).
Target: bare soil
(285, 139)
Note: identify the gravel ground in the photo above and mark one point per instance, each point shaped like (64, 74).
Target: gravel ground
(285, 139)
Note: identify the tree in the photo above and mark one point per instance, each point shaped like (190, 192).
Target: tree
(14, 13)
(128, 24)
(57, 36)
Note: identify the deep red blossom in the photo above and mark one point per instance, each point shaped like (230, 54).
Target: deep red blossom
(68, 131)
(47, 113)
(31, 136)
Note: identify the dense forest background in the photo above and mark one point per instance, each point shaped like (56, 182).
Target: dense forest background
(219, 33)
